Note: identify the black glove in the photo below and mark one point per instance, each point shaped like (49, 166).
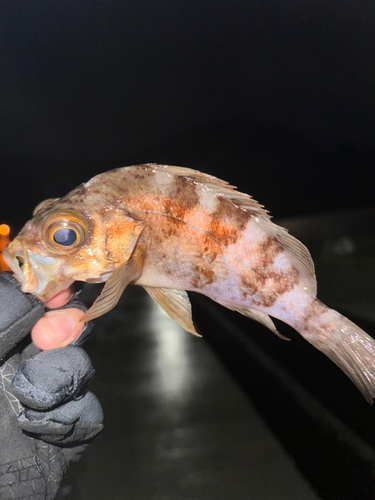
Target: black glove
(47, 416)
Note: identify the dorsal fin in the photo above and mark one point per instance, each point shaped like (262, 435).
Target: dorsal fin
(220, 188)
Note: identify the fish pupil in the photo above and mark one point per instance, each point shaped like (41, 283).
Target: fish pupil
(65, 237)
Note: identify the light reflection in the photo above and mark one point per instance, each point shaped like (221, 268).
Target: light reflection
(172, 359)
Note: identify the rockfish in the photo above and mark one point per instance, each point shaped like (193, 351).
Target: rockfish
(172, 229)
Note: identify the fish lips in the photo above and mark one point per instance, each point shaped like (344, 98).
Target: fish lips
(38, 275)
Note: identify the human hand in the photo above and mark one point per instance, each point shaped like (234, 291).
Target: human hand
(58, 328)
(44, 394)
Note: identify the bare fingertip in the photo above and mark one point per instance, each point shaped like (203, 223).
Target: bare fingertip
(42, 338)
(60, 299)
(57, 329)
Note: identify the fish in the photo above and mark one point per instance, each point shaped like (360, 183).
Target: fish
(172, 230)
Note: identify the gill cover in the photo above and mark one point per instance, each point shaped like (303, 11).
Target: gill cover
(122, 233)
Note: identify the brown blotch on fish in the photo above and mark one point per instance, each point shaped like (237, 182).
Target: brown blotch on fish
(96, 191)
(202, 276)
(209, 253)
(225, 233)
(283, 282)
(267, 299)
(174, 209)
(227, 210)
(228, 221)
(140, 175)
(185, 191)
(268, 282)
(171, 227)
(269, 249)
(248, 287)
(260, 295)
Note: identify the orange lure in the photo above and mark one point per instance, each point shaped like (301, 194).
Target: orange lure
(4, 240)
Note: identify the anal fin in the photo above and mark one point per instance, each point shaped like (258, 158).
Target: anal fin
(176, 304)
(258, 316)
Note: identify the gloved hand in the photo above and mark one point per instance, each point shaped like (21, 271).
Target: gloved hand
(47, 416)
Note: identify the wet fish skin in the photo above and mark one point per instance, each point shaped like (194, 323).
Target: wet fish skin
(171, 229)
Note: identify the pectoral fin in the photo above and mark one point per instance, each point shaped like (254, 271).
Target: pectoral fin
(120, 278)
(176, 304)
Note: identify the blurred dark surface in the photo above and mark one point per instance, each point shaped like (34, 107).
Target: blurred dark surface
(239, 413)
(177, 425)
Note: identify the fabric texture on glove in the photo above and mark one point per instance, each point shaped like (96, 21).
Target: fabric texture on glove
(47, 415)
(18, 313)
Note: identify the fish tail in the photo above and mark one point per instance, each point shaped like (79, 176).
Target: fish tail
(349, 347)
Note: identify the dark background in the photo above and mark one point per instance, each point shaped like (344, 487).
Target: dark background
(275, 96)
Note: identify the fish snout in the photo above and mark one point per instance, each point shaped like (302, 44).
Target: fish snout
(37, 274)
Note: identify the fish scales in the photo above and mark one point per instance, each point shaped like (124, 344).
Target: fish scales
(201, 241)
(172, 229)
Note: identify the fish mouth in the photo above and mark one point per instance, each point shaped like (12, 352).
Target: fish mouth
(38, 275)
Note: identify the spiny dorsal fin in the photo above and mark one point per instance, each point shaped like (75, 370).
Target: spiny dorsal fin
(176, 304)
(219, 187)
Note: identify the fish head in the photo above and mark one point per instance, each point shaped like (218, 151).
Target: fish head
(62, 244)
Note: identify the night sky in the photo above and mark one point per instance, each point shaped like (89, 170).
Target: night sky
(275, 96)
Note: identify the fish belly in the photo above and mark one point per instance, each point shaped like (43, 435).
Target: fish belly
(249, 271)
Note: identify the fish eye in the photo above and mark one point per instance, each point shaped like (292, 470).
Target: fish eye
(65, 231)
(65, 236)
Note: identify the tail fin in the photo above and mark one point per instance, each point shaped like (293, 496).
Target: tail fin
(345, 344)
